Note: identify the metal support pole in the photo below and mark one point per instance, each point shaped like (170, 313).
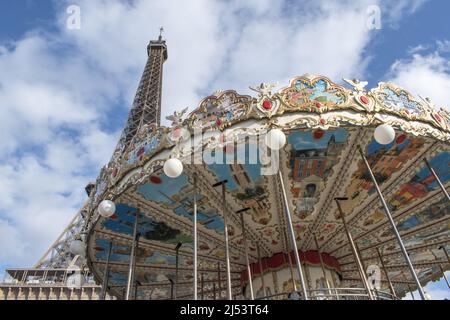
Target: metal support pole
(441, 185)
(360, 257)
(291, 267)
(445, 252)
(293, 238)
(443, 275)
(391, 287)
(132, 258)
(411, 292)
(294, 285)
(247, 261)
(219, 283)
(134, 264)
(106, 273)
(263, 283)
(177, 250)
(364, 268)
(354, 251)
(322, 264)
(136, 289)
(214, 291)
(394, 227)
(171, 288)
(227, 248)
(195, 238)
(202, 284)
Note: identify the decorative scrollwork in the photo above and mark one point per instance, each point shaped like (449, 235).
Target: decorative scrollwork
(317, 95)
(218, 112)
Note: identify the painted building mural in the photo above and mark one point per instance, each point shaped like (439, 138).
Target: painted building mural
(313, 156)
(385, 160)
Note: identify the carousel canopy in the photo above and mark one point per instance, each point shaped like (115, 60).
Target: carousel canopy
(225, 139)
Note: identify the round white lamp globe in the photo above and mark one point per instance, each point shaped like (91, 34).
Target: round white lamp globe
(173, 168)
(384, 134)
(107, 208)
(275, 139)
(77, 248)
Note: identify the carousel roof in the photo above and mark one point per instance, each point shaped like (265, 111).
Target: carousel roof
(324, 124)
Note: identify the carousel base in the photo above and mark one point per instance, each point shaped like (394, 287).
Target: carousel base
(320, 294)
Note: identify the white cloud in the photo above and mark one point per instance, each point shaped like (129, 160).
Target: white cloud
(220, 45)
(424, 74)
(394, 11)
(438, 290)
(15, 249)
(61, 93)
(443, 46)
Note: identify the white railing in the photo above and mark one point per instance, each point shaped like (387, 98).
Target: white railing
(333, 294)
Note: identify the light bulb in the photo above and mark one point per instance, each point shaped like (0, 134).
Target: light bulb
(173, 168)
(275, 139)
(384, 134)
(77, 248)
(107, 208)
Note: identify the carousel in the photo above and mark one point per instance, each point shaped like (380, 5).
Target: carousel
(311, 191)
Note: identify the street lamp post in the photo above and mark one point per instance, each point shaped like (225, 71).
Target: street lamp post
(393, 226)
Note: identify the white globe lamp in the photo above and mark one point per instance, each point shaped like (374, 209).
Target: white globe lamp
(173, 168)
(107, 208)
(77, 248)
(384, 134)
(275, 139)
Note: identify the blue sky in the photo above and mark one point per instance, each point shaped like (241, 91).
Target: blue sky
(80, 83)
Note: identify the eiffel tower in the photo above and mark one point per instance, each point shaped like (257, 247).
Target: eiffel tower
(48, 278)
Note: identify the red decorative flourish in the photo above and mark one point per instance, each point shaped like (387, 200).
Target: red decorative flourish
(267, 104)
(281, 260)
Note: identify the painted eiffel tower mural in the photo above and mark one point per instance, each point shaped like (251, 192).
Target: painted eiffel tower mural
(56, 276)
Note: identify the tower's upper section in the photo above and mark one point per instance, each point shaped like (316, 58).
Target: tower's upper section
(146, 109)
(159, 44)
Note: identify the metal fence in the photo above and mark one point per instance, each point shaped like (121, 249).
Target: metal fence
(333, 294)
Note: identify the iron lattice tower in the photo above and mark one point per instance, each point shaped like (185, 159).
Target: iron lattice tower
(146, 109)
